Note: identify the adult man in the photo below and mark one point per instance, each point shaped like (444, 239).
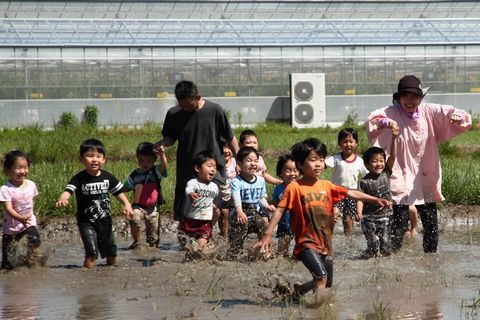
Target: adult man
(198, 125)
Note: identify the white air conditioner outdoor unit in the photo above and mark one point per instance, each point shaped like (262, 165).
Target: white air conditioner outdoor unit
(307, 95)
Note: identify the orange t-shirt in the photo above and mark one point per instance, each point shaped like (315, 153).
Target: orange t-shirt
(311, 211)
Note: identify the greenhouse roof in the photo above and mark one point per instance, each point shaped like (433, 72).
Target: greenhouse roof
(38, 32)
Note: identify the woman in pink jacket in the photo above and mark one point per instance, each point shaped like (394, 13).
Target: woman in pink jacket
(417, 175)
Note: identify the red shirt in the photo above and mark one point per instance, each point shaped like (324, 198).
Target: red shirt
(311, 210)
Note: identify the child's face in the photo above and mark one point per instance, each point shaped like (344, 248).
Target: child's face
(146, 162)
(251, 141)
(249, 164)
(348, 145)
(227, 153)
(18, 172)
(376, 164)
(206, 172)
(289, 172)
(313, 165)
(93, 161)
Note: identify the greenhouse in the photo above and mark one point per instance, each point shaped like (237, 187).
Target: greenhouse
(140, 49)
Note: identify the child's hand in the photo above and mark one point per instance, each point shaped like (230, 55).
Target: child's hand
(392, 124)
(271, 208)
(337, 216)
(358, 217)
(384, 203)
(128, 211)
(242, 217)
(159, 150)
(61, 203)
(264, 245)
(193, 197)
(25, 219)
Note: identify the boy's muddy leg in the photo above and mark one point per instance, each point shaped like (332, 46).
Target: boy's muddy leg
(152, 228)
(236, 238)
(428, 214)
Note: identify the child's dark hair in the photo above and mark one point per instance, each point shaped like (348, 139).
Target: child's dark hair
(345, 132)
(202, 157)
(372, 151)
(92, 144)
(12, 156)
(281, 162)
(186, 89)
(301, 150)
(246, 133)
(145, 149)
(244, 152)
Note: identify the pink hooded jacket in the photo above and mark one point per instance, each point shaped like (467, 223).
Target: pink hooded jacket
(417, 175)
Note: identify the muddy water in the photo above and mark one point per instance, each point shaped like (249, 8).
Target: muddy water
(159, 284)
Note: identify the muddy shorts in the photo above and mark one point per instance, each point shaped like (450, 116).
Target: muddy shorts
(319, 265)
(377, 233)
(238, 232)
(10, 242)
(197, 229)
(347, 206)
(224, 198)
(151, 217)
(98, 238)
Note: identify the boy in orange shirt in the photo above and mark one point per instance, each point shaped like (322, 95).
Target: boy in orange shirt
(310, 202)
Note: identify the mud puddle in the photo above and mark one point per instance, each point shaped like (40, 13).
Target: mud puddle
(159, 284)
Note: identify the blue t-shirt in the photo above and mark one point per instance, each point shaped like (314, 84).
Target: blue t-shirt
(284, 225)
(248, 193)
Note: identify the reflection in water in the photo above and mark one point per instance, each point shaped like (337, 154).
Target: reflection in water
(19, 301)
(94, 307)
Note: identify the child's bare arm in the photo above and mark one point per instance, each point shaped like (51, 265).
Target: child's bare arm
(359, 210)
(270, 179)
(393, 148)
(63, 199)
(163, 159)
(264, 244)
(127, 207)
(14, 214)
(360, 196)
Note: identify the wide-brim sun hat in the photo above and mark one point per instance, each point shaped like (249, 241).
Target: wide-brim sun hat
(411, 84)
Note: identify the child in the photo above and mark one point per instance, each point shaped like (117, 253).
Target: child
(310, 202)
(248, 193)
(91, 187)
(375, 219)
(248, 138)
(200, 192)
(347, 166)
(224, 201)
(286, 170)
(145, 183)
(18, 217)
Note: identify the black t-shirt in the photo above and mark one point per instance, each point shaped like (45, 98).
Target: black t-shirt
(93, 201)
(197, 131)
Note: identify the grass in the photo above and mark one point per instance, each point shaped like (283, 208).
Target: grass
(54, 156)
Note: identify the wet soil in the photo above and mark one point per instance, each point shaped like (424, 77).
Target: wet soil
(158, 283)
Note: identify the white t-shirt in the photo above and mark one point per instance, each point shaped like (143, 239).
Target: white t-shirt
(22, 202)
(202, 209)
(345, 173)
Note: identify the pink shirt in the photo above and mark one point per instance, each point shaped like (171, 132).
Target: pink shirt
(22, 203)
(417, 175)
